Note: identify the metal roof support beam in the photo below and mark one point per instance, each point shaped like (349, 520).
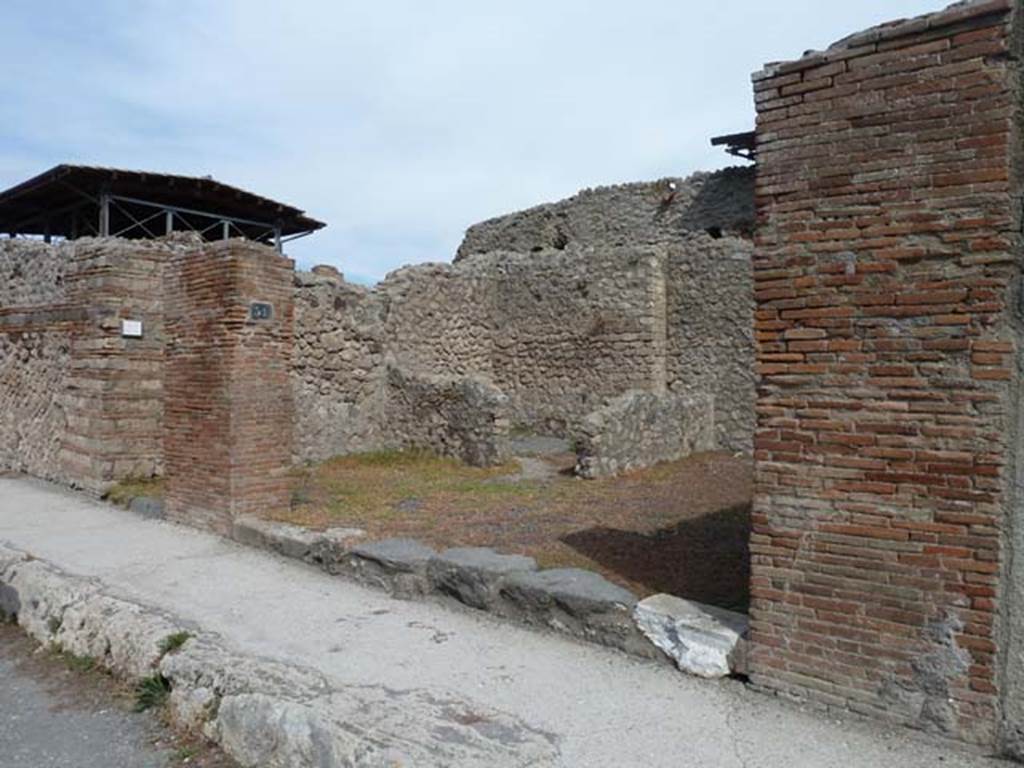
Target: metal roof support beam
(104, 228)
(190, 211)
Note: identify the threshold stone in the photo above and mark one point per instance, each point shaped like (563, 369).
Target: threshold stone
(703, 640)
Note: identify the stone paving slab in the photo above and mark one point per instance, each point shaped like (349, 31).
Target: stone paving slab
(601, 707)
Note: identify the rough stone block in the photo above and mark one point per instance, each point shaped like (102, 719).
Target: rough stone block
(703, 640)
(576, 602)
(324, 548)
(640, 429)
(579, 592)
(148, 507)
(472, 575)
(398, 565)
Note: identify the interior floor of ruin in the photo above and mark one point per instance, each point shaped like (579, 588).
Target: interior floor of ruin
(680, 527)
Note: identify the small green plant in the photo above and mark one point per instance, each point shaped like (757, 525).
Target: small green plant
(73, 661)
(81, 664)
(151, 692)
(53, 624)
(171, 643)
(185, 754)
(300, 497)
(126, 490)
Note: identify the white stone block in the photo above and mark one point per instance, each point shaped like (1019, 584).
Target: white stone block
(703, 640)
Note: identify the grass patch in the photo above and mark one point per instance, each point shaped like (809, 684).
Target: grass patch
(130, 487)
(172, 643)
(151, 692)
(80, 664)
(370, 487)
(680, 527)
(74, 662)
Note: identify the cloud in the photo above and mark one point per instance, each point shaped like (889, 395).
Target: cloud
(399, 123)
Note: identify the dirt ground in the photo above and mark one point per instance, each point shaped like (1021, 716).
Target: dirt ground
(680, 527)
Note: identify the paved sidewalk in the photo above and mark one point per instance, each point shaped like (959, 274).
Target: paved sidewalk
(603, 708)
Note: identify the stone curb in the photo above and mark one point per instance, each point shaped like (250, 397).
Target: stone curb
(261, 712)
(575, 602)
(320, 548)
(149, 507)
(578, 603)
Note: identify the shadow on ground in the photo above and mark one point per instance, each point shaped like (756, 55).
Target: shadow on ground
(705, 558)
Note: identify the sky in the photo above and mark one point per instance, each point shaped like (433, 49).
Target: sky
(398, 122)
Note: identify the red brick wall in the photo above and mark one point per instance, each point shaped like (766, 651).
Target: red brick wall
(228, 408)
(887, 255)
(114, 387)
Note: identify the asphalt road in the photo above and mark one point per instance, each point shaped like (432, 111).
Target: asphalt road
(54, 716)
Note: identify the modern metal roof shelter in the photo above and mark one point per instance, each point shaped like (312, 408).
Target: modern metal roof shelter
(79, 200)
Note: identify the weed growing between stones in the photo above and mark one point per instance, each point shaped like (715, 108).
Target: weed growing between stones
(172, 643)
(79, 663)
(151, 692)
(126, 490)
(74, 662)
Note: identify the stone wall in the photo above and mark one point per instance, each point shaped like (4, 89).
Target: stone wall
(440, 319)
(556, 331)
(709, 331)
(575, 327)
(81, 404)
(627, 214)
(450, 416)
(644, 288)
(640, 429)
(887, 278)
(36, 326)
(32, 273)
(338, 368)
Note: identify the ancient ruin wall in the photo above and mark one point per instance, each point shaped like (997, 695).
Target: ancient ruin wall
(81, 403)
(640, 429)
(114, 390)
(465, 417)
(32, 273)
(35, 346)
(886, 268)
(709, 331)
(337, 368)
(642, 286)
(557, 332)
(439, 319)
(229, 413)
(574, 328)
(626, 214)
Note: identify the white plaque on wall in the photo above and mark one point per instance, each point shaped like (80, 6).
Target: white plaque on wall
(131, 328)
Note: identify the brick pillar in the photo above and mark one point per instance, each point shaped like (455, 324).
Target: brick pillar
(887, 271)
(228, 412)
(113, 398)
